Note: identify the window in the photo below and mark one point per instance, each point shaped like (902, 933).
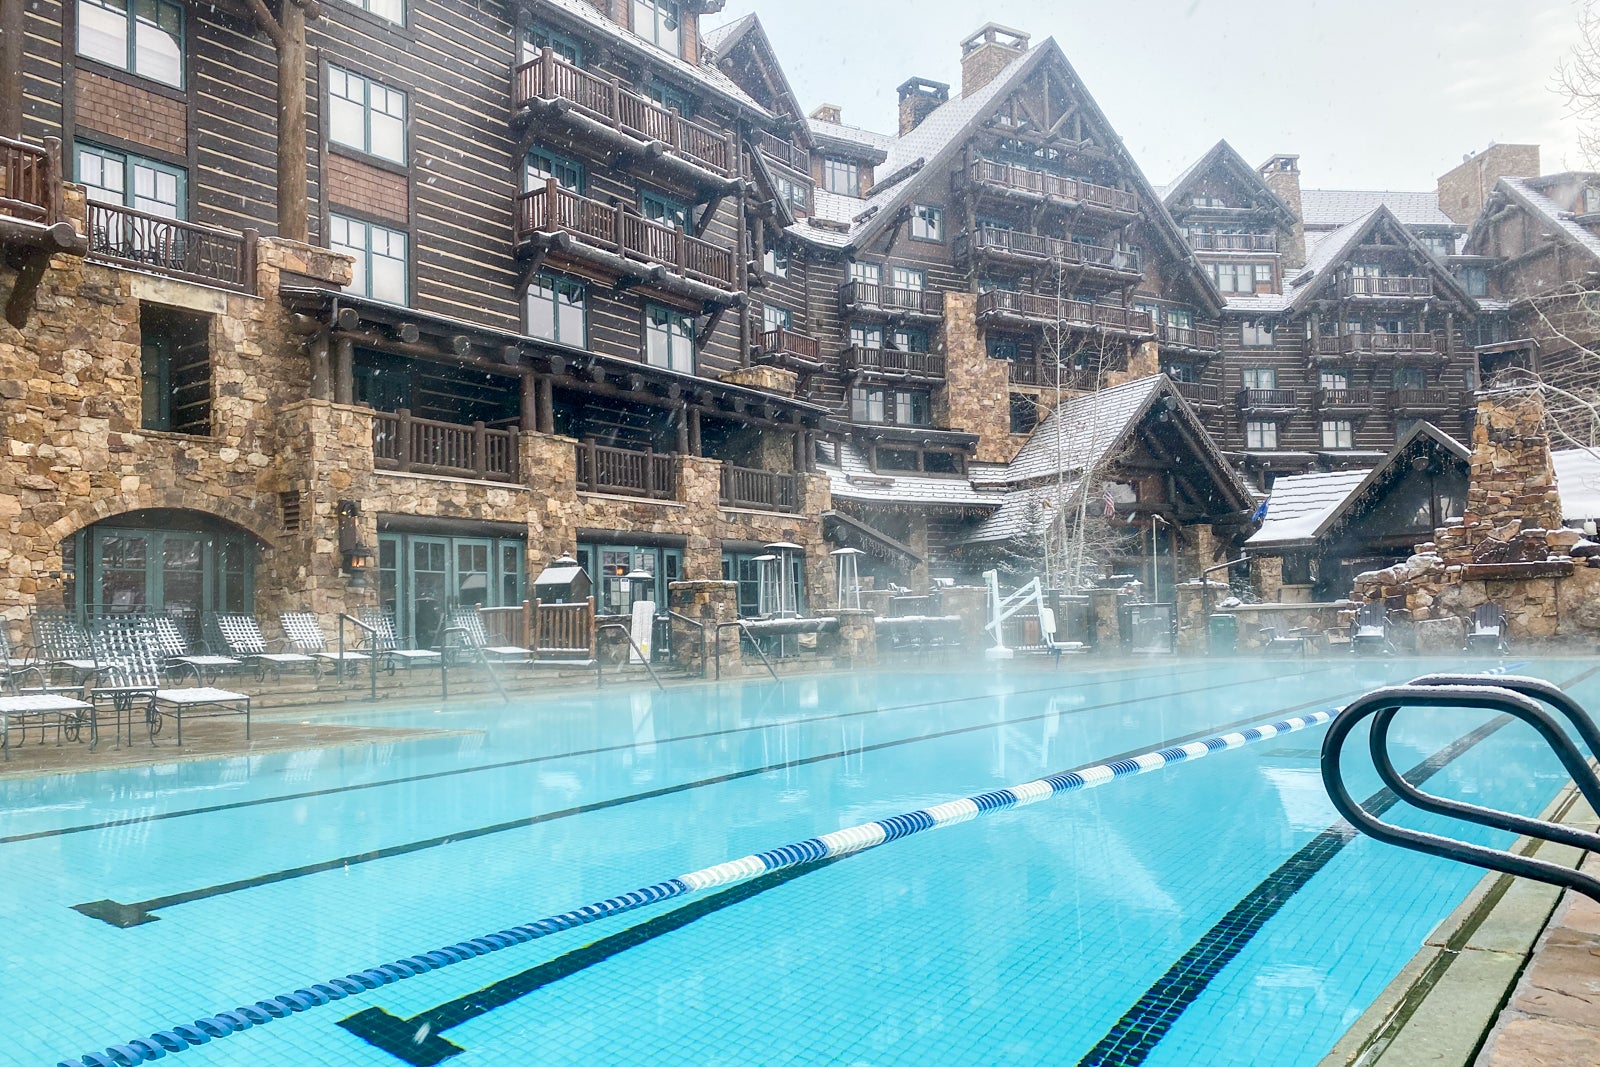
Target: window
(672, 98)
(380, 257)
(1438, 245)
(866, 404)
(1024, 412)
(1260, 378)
(1261, 435)
(1475, 280)
(912, 408)
(1338, 433)
(1233, 277)
(556, 309)
(1177, 318)
(904, 407)
(944, 462)
(667, 212)
(1183, 372)
(776, 262)
(669, 339)
(541, 166)
(775, 318)
(1403, 426)
(796, 194)
(174, 370)
(999, 346)
(389, 10)
(1256, 333)
(897, 459)
(536, 39)
(907, 278)
(660, 22)
(1334, 381)
(114, 177)
(841, 176)
(1410, 378)
(1264, 275)
(366, 115)
(903, 340)
(866, 337)
(871, 273)
(152, 48)
(927, 223)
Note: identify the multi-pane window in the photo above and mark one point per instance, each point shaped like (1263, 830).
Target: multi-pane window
(1183, 372)
(380, 257)
(174, 370)
(660, 22)
(871, 273)
(143, 37)
(556, 309)
(1256, 333)
(1440, 246)
(1338, 433)
(1233, 277)
(541, 166)
(904, 407)
(389, 10)
(1263, 275)
(999, 346)
(912, 408)
(1334, 381)
(673, 99)
(796, 194)
(907, 278)
(1261, 435)
(1260, 377)
(775, 318)
(1024, 412)
(867, 404)
(366, 115)
(536, 38)
(669, 339)
(841, 176)
(866, 337)
(927, 222)
(903, 340)
(667, 212)
(114, 177)
(776, 262)
(1410, 378)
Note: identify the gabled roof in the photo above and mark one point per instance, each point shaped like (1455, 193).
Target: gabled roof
(853, 479)
(1529, 194)
(1222, 156)
(1329, 209)
(747, 34)
(1337, 247)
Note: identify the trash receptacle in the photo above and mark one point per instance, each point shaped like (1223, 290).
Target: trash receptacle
(1224, 635)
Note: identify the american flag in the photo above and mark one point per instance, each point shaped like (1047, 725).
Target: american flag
(1111, 503)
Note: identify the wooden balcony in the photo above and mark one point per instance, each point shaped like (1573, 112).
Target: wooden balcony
(1195, 393)
(1112, 319)
(1233, 242)
(1053, 188)
(890, 363)
(1189, 338)
(1344, 399)
(786, 348)
(1367, 347)
(602, 469)
(422, 446)
(30, 182)
(1424, 401)
(1024, 372)
(559, 92)
(1267, 401)
(558, 221)
(856, 297)
(783, 152)
(161, 245)
(989, 242)
(1388, 288)
(744, 487)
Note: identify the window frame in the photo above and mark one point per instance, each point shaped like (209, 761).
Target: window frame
(365, 260)
(564, 45)
(558, 284)
(929, 219)
(1343, 430)
(129, 161)
(899, 274)
(669, 317)
(836, 167)
(557, 163)
(658, 9)
(1257, 333)
(775, 262)
(1265, 429)
(128, 10)
(681, 215)
(365, 149)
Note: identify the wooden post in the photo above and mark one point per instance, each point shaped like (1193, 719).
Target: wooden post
(252, 238)
(321, 376)
(617, 216)
(480, 450)
(292, 200)
(649, 472)
(403, 438)
(547, 405)
(593, 471)
(547, 67)
(529, 420)
(694, 432)
(54, 176)
(13, 28)
(799, 449)
(683, 429)
(344, 386)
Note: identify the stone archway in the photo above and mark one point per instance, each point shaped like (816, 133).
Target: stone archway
(148, 498)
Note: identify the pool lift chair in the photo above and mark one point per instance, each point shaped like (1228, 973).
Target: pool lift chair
(304, 632)
(129, 677)
(1488, 630)
(1369, 632)
(385, 643)
(173, 644)
(241, 635)
(1048, 632)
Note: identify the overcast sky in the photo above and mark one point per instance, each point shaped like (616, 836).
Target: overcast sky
(1372, 94)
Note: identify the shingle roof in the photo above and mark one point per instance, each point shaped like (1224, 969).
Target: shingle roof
(1331, 208)
(1022, 508)
(853, 479)
(718, 36)
(1529, 192)
(1224, 153)
(1300, 503)
(852, 134)
(1078, 435)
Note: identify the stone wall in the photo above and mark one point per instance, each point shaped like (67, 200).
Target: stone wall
(977, 392)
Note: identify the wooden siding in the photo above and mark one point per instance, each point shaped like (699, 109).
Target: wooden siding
(353, 183)
(132, 113)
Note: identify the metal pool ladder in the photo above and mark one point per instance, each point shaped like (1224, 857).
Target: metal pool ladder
(1526, 699)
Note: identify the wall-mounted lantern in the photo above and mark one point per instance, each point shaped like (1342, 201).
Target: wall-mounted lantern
(355, 556)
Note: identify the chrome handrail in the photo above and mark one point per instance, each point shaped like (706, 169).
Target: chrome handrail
(599, 659)
(372, 670)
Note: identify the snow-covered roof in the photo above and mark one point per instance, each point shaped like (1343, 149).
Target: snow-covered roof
(1530, 191)
(853, 479)
(1022, 509)
(1578, 482)
(1300, 503)
(1223, 153)
(835, 131)
(709, 77)
(1329, 209)
(1077, 435)
(716, 38)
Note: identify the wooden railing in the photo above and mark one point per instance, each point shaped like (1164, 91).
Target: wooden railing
(614, 229)
(602, 469)
(1233, 242)
(992, 239)
(564, 629)
(1380, 344)
(1387, 286)
(1422, 399)
(888, 298)
(1199, 338)
(401, 442)
(132, 238)
(1076, 313)
(1197, 393)
(1023, 372)
(744, 487)
(1053, 186)
(30, 180)
(889, 361)
(552, 78)
(1344, 398)
(1266, 398)
(782, 342)
(506, 627)
(781, 151)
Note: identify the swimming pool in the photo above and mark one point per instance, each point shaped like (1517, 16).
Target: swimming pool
(1200, 913)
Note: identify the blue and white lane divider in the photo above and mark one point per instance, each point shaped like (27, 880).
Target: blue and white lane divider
(838, 843)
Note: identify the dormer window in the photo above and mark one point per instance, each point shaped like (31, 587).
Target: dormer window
(661, 23)
(841, 176)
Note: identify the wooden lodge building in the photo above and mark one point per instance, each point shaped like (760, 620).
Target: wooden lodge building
(297, 292)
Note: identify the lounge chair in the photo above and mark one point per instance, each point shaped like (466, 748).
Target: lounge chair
(1290, 642)
(470, 629)
(174, 645)
(241, 635)
(1369, 632)
(130, 677)
(60, 641)
(383, 643)
(304, 632)
(1488, 630)
(35, 706)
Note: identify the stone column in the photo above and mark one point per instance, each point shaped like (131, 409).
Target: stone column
(1107, 619)
(700, 490)
(977, 393)
(707, 603)
(550, 469)
(1266, 577)
(1192, 621)
(858, 638)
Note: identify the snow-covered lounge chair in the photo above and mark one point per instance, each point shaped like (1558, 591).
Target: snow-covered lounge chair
(1370, 630)
(475, 636)
(1488, 630)
(385, 644)
(173, 643)
(130, 678)
(241, 635)
(304, 632)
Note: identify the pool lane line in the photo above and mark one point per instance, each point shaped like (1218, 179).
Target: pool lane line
(1137, 1033)
(799, 855)
(140, 912)
(212, 809)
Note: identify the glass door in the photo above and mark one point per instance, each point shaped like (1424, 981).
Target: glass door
(183, 574)
(121, 582)
(430, 588)
(471, 581)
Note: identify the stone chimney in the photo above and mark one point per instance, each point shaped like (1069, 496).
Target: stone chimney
(829, 113)
(987, 52)
(919, 98)
(1282, 175)
(1462, 192)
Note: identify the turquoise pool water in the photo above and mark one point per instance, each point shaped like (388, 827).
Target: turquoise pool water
(1052, 934)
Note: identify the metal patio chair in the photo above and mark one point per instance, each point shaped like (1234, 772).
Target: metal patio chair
(61, 642)
(173, 644)
(130, 678)
(1488, 630)
(1281, 642)
(241, 635)
(35, 706)
(386, 645)
(474, 636)
(304, 631)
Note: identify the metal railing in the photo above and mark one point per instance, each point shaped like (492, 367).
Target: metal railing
(894, 363)
(184, 250)
(1396, 285)
(552, 78)
(1199, 338)
(1233, 242)
(30, 180)
(372, 657)
(888, 298)
(402, 442)
(602, 468)
(1081, 314)
(599, 665)
(996, 241)
(615, 229)
(746, 487)
(1053, 186)
(1266, 398)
